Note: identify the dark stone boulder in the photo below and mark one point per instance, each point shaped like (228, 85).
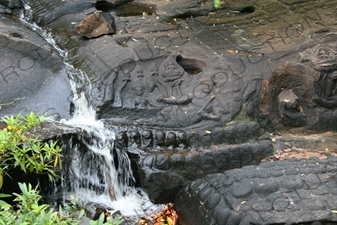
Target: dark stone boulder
(190, 90)
(132, 87)
(32, 74)
(310, 74)
(202, 74)
(163, 174)
(5, 10)
(97, 24)
(12, 4)
(216, 78)
(44, 12)
(283, 192)
(169, 10)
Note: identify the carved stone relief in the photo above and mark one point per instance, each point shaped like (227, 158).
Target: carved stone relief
(176, 92)
(303, 94)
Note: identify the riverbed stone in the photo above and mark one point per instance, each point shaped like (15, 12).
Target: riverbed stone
(12, 4)
(32, 75)
(45, 12)
(249, 204)
(5, 10)
(193, 90)
(97, 24)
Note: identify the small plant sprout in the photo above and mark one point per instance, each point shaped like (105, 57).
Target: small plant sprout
(217, 4)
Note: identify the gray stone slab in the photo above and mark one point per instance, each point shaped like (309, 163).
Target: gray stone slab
(32, 76)
(237, 197)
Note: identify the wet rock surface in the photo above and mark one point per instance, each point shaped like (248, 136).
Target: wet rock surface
(283, 192)
(164, 174)
(12, 4)
(189, 90)
(32, 74)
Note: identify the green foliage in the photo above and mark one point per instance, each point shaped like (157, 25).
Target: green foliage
(29, 154)
(74, 207)
(30, 212)
(110, 220)
(34, 156)
(217, 4)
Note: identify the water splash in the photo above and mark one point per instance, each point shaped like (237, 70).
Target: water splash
(97, 172)
(78, 79)
(100, 172)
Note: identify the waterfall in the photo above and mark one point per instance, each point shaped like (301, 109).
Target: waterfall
(77, 78)
(100, 172)
(96, 171)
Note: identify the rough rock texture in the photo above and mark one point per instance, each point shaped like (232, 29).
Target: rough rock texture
(44, 11)
(97, 24)
(11, 3)
(283, 192)
(32, 76)
(225, 65)
(4, 9)
(190, 90)
(183, 8)
(163, 174)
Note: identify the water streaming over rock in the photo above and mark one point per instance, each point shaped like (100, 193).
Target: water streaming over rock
(94, 170)
(97, 171)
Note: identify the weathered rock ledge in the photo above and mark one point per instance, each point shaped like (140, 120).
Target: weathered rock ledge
(284, 192)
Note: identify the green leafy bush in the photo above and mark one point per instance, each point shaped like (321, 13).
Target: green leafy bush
(30, 212)
(30, 155)
(34, 156)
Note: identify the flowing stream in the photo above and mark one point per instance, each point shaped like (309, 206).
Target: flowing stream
(98, 172)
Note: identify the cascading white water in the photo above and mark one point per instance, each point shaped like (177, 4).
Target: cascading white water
(76, 77)
(93, 175)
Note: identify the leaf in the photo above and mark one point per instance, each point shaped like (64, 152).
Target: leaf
(101, 219)
(1, 179)
(36, 149)
(4, 205)
(2, 195)
(81, 214)
(55, 162)
(23, 167)
(217, 4)
(23, 188)
(169, 221)
(93, 222)
(60, 210)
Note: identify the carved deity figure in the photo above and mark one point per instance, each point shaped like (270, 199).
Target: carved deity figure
(325, 86)
(154, 81)
(140, 89)
(290, 111)
(140, 101)
(324, 57)
(172, 74)
(194, 107)
(124, 69)
(325, 89)
(208, 110)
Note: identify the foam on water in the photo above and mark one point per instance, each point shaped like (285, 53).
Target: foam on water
(86, 178)
(94, 176)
